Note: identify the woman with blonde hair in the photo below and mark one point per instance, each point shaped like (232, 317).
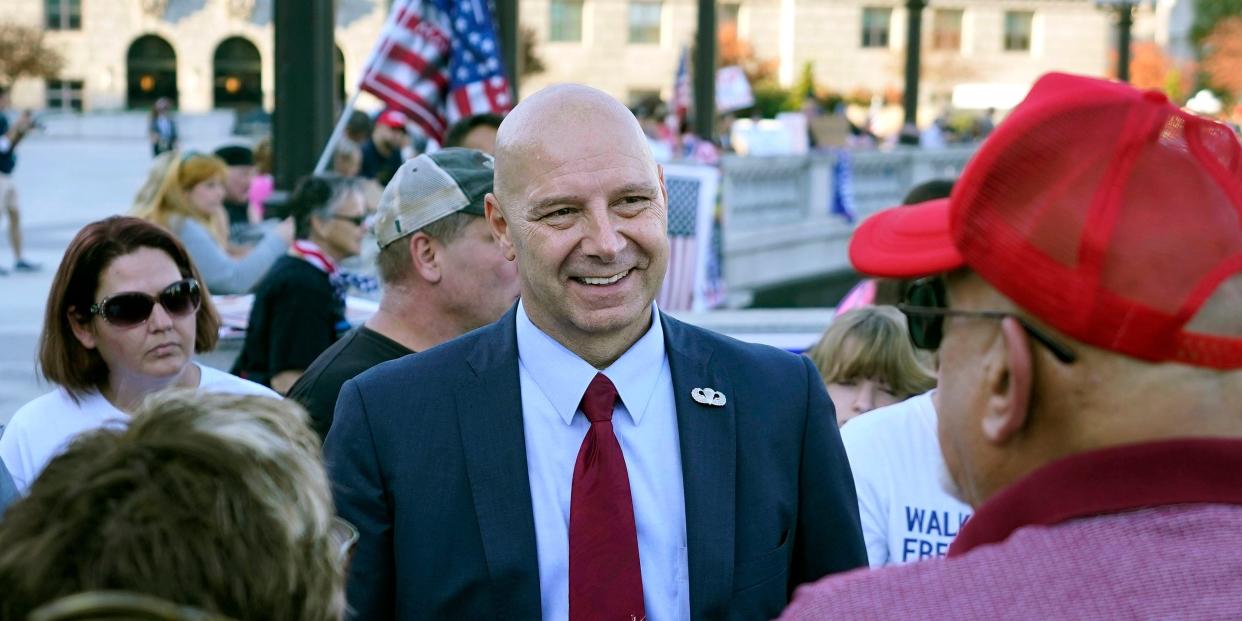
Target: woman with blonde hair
(186, 196)
(867, 361)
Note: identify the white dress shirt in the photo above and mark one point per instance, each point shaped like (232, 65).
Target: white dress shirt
(553, 380)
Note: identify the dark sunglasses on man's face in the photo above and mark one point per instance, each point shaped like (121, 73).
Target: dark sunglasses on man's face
(125, 310)
(926, 307)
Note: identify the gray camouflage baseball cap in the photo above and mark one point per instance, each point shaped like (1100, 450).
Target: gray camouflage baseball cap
(430, 187)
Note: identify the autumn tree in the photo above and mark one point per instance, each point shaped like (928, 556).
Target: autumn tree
(529, 62)
(1152, 68)
(734, 50)
(1222, 56)
(23, 53)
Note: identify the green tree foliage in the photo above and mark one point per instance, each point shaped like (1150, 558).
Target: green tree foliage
(804, 88)
(1209, 13)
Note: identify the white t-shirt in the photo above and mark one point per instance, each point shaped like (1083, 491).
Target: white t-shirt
(895, 456)
(43, 428)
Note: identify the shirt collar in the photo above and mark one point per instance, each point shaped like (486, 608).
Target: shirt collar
(563, 376)
(1111, 480)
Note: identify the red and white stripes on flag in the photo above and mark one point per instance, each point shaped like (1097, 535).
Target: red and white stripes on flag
(438, 61)
(692, 281)
(678, 290)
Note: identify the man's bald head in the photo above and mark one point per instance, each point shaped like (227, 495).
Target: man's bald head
(561, 114)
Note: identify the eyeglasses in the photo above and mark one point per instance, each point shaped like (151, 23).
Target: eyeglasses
(126, 310)
(357, 220)
(927, 309)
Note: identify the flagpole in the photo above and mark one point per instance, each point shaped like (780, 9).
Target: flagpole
(385, 43)
(346, 111)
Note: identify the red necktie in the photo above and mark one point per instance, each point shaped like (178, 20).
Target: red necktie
(605, 580)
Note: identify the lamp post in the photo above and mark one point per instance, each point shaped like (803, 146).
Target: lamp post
(1125, 25)
(705, 72)
(507, 25)
(914, 44)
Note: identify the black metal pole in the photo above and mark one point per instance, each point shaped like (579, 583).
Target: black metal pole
(507, 22)
(705, 72)
(1125, 23)
(303, 116)
(914, 45)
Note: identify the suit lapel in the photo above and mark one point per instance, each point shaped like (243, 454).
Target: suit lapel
(490, 418)
(709, 467)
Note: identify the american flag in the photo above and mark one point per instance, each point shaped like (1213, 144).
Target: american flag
(683, 209)
(439, 61)
(693, 281)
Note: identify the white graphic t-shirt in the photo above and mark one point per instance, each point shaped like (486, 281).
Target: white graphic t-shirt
(895, 456)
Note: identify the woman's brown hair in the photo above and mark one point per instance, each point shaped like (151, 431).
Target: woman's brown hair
(871, 342)
(63, 360)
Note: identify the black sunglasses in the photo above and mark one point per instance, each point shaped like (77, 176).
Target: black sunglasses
(357, 220)
(125, 310)
(926, 309)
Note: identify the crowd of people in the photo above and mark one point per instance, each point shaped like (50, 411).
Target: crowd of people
(1030, 412)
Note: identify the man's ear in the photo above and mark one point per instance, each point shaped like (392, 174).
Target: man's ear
(84, 332)
(1009, 385)
(425, 255)
(499, 225)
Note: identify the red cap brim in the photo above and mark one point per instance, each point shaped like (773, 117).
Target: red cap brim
(906, 242)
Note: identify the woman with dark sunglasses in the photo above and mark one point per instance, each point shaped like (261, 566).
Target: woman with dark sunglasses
(299, 306)
(125, 315)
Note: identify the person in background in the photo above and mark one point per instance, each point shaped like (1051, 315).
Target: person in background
(184, 196)
(263, 184)
(210, 501)
(381, 153)
(443, 275)
(241, 170)
(906, 514)
(347, 162)
(10, 136)
(475, 132)
(125, 315)
(358, 127)
(299, 307)
(1083, 285)
(867, 361)
(346, 158)
(161, 127)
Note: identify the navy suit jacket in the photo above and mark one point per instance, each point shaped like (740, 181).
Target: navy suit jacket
(427, 457)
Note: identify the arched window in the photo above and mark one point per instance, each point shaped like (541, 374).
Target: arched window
(237, 74)
(150, 72)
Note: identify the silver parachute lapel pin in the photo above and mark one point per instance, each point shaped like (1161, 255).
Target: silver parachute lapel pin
(708, 396)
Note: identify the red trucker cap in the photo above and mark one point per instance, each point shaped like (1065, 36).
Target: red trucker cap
(1107, 212)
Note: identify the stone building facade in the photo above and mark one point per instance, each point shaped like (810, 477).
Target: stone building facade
(219, 53)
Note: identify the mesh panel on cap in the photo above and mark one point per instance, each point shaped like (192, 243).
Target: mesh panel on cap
(1110, 214)
(420, 193)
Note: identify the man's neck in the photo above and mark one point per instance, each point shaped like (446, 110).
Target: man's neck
(598, 350)
(411, 319)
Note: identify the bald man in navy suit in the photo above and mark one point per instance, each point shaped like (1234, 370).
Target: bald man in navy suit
(587, 456)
